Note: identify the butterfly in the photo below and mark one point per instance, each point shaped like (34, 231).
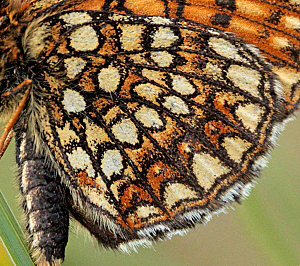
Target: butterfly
(140, 119)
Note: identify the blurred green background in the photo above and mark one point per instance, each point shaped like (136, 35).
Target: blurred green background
(264, 230)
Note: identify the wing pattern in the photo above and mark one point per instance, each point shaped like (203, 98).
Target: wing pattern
(152, 120)
(143, 117)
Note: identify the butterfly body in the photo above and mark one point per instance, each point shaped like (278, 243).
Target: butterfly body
(143, 119)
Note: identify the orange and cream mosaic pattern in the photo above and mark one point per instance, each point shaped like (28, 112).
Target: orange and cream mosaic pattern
(157, 114)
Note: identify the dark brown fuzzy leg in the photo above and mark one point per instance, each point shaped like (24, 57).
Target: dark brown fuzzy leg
(44, 204)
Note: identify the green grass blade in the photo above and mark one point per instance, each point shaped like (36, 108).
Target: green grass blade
(12, 235)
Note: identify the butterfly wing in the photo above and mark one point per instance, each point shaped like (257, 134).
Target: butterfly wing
(155, 123)
(152, 116)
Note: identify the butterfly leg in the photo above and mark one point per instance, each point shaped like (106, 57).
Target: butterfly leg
(47, 218)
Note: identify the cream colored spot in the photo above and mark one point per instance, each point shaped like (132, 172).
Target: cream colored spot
(80, 160)
(235, 147)
(146, 211)
(149, 117)
(84, 39)
(182, 85)
(207, 169)
(176, 105)
(163, 37)
(149, 91)
(95, 135)
(224, 48)
(163, 58)
(250, 115)
(280, 42)
(109, 79)
(245, 79)
(125, 131)
(131, 37)
(76, 18)
(66, 135)
(213, 70)
(111, 163)
(292, 22)
(74, 65)
(73, 101)
(176, 192)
